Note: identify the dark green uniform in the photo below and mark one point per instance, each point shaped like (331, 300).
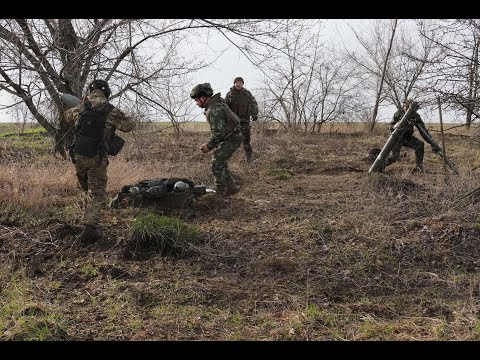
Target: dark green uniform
(92, 171)
(226, 138)
(407, 139)
(243, 103)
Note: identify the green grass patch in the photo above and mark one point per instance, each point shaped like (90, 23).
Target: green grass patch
(21, 318)
(280, 174)
(162, 235)
(31, 140)
(8, 131)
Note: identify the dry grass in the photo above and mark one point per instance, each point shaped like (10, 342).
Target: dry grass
(311, 248)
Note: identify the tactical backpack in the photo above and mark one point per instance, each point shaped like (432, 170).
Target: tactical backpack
(89, 133)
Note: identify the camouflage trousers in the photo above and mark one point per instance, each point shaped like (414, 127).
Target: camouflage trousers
(222, 155)
(411, 142)
(92, 176)
(246, 131)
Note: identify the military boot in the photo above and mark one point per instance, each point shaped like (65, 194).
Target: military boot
(232, 187)
(418, 167)
(90, 235)
(221, 191)
(248, 154)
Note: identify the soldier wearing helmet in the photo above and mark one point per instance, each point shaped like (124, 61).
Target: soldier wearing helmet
(244, 104)
(226, 136)
(91, 171)
(100, 85)
(407, 139)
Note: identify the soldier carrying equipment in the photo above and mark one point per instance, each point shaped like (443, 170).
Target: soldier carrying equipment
(90, 131)
(401, 135)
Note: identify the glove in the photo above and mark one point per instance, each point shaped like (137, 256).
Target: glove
(254, 118)
(436, 149)
(204, 148)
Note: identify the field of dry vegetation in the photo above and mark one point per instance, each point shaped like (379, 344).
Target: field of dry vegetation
(311, 248)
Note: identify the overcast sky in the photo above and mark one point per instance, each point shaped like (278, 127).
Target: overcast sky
(232, 63)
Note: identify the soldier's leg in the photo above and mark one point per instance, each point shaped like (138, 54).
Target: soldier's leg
(97, 182)
(419, 147)
(220, 159)
(247, 147)
(234, 143)
(81, 172)
(218, 171)
(394, 154)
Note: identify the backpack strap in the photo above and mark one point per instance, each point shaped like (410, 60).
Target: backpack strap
(85, 103)
(105, 109)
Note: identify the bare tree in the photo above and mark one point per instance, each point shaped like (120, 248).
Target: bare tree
(394, 62)
(286, 75)
(382, 78)
(456, 78)
(308, 84)
(376, 42)
(140, 58)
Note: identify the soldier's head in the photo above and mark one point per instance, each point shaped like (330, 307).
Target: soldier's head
(408, 102)
(100, 85)
(238, 82)
(201, 92)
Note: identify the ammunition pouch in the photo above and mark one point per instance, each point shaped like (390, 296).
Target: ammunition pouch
(115, 144)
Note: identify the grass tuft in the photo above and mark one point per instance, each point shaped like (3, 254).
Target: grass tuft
(162, 235)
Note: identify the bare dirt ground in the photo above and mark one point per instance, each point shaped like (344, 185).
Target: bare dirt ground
(311, 248)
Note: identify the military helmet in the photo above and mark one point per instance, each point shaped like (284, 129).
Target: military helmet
(408, 102)
(180, 186)
(238, 78)
(100, 85)
(201, 90)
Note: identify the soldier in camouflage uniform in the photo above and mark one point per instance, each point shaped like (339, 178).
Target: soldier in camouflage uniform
(407, 139)
(243, 103)
(91, 172)
(226, 136)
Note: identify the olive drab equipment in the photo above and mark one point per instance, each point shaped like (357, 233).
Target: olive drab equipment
(232, 117)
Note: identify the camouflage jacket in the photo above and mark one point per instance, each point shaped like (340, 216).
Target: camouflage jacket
(221, 124)
(414, 120)
(242, 102)
(116, 119)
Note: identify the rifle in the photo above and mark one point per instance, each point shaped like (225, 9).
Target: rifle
(436, 148)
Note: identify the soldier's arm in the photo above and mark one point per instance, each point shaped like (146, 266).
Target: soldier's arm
(418, 120)
(253, 105)
(217, 126)
(120, 121)
(422, 129)
(71, 116)
(392, 123)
